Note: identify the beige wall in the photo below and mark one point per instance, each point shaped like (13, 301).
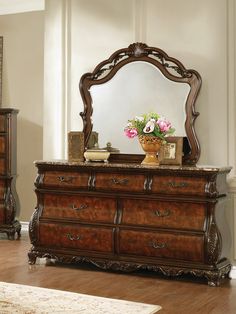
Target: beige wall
(23, 89)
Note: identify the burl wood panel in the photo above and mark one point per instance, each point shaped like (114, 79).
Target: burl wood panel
(179, 185)
(83, 208)
(2, 166)
(76, 237)
(120, 182)
(163, 245)
(66, 179)
(2, 189)
(2, 213)
(2, 144)
(2, 123)
(164, 214)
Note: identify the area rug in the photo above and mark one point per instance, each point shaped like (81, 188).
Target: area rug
(22, 299)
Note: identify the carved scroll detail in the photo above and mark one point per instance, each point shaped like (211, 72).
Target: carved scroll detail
(213, 276)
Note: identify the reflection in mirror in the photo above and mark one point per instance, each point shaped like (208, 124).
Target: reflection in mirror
(137, 88)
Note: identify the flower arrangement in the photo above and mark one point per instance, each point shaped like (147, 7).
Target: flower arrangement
(151, 124)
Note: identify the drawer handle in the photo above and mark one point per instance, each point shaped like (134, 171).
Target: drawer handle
(72, 238)
(82, 206)
(178, 185)
(165, 213)
(119, 182)
(65, 179)
(156, 245)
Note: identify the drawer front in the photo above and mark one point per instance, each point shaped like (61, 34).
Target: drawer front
(2, 123)
(120, 182)
(84, 208)
(179, 185)
(2, 166)
(2, 214)
(162, 245)
(2, 189)
(66, 179)
(76, 237)
(164, 214)
(2, 144)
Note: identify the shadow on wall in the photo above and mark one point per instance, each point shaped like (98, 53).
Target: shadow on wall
(29, 149)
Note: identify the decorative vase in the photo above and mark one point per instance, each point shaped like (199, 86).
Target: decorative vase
(151, 146)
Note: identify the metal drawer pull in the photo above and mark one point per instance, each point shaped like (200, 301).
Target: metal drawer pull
(119, 182)
(155, 245)
(72, 238)
(165, 213)
(177, 185)
(65, 179)
(82, 206)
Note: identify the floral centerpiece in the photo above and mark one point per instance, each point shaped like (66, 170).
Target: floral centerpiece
(151, 130)
(151, 124)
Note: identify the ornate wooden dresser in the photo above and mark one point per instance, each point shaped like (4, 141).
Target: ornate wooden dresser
(128, 216)
(123, 215)
(8, 197)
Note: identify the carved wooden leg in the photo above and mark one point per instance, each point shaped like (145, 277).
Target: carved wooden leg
(32, 258)
(214, 279)
(11, 235)
(18, 233)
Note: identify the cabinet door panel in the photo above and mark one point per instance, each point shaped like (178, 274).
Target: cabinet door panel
(162, 245)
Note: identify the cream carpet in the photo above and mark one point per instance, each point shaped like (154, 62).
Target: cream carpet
(22, 299)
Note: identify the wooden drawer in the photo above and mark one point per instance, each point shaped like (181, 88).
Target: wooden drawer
(2, 123)
(2, 214)
(179, 185)
(162, 245)
(191, 216)
(2, 166)
(2, 144)
(76, 237)
(66, 179)
(120, 182)
(2, 189)
(84, 208)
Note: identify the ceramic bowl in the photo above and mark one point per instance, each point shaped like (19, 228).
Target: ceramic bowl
(96, 155)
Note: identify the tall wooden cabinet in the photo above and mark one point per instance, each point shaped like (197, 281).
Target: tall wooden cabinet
(128, 217)
(9, 208)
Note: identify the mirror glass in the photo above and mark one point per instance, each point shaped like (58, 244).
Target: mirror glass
(137, 88)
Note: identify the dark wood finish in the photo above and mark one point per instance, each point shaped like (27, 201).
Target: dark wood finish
(175, 296)
(170, 67)
(128, 217)
(9, 208)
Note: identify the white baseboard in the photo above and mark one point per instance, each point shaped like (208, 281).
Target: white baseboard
(24, 225)
(233, 272)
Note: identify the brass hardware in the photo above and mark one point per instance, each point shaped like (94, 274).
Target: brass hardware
(119, 182)
(72, 238)
(165, 213)
(65, 179)
(82, 206)
(178, 185)
(155, 245)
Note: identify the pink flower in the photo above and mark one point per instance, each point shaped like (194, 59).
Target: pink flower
(164, 125)
(131, 133)
(149, 127)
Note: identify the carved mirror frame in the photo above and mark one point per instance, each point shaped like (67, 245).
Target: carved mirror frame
(170, 67)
